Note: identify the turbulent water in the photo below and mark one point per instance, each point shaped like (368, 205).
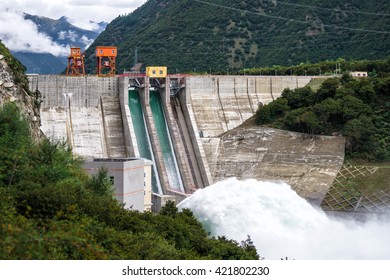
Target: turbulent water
(282, 224)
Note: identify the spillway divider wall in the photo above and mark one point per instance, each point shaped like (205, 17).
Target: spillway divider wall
(104, 130)
(128, 127)
(177, 143)
(191, 122)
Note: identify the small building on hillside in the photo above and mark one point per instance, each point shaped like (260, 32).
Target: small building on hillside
(131, 177)
(359, 74)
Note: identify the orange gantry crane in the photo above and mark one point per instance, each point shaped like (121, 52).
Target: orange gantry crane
(75, 63)
(105, 56)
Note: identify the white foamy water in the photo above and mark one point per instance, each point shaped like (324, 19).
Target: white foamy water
(282, 224)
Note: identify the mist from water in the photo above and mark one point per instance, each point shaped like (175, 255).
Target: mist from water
(282, 224)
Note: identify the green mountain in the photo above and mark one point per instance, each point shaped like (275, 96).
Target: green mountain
(219, 35)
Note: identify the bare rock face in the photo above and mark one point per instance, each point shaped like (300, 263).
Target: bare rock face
(11, 90)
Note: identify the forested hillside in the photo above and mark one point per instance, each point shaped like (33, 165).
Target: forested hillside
(222, 35)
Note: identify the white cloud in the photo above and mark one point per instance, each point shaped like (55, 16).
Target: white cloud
(19, 34)
(71, 35)
(85, 40)
(77, 10)
(84, 24)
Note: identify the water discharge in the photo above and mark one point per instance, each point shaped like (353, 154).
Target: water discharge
(282, 224)
(165, 142)
(143, 141)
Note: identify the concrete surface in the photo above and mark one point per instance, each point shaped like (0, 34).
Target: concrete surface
(308, 164)
(72, 104)
(113, 127)
(221, 103)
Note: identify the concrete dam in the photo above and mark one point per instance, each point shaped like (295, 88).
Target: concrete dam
(189, 127)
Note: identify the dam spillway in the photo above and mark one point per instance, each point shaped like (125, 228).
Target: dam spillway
(169, 157)
(202, 126)
(141, 135)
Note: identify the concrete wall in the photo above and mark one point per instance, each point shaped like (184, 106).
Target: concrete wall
(221, 103)
(308, 164)
(132, 180)
(113, 127)
(81, 117)
(128, 128)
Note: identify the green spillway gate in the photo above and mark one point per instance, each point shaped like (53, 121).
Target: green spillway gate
(165, 142)
(141, 135)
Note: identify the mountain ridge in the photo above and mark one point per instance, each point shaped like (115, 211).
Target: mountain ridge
(219, 35)
(62, 33)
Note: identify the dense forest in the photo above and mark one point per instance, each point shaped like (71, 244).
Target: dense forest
(356, 108)
(227, 35)
(50, 209)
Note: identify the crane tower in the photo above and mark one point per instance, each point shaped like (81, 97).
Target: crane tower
(105, 56)
(75, 63)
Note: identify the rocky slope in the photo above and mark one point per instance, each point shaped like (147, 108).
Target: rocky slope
(14, 88)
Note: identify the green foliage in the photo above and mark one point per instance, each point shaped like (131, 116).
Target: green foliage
(301, 97)
(15, 141)
(272, 111)
(169, 209)
(50, 209)
(228, 35)
(101, 184)
(344, 106)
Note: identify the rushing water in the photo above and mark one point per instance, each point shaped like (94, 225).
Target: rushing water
(143, 141)
(282, 224)
(165, 142)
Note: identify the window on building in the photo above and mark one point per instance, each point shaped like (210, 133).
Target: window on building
(112, 180)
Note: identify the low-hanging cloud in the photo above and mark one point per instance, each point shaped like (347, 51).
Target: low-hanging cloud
(71, 35)
(19, 34)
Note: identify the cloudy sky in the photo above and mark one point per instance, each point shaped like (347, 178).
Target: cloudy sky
(21, 35)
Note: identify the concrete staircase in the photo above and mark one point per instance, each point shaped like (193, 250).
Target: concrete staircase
(112, 127)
